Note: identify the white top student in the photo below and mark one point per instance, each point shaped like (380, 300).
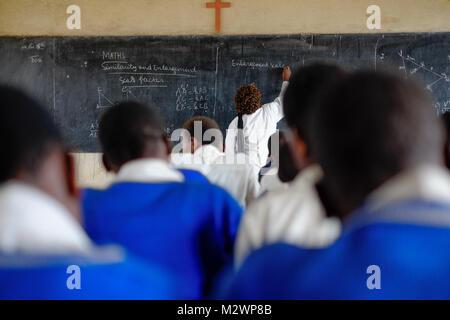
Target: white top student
(39, 234)
(239, 178)
(258, 122)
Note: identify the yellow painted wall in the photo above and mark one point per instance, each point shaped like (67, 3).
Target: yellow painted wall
(175, 17)
(187, 17)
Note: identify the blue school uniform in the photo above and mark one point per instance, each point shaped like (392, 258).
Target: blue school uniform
(408, 241)
(193, 176)
(187, 228)
(47, 277)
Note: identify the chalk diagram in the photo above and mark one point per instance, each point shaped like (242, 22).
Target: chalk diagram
(410, 66)
(433, 79)
(105, 102)
(416, 66)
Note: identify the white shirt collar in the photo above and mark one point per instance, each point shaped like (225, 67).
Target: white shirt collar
(425, 182)
(207, 154)
(312, 174)
(149, 171)
(32, 222)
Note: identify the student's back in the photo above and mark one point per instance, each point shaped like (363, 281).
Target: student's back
(187, 228)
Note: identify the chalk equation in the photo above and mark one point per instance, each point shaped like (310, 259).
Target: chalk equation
(191, 98)
(36, 59)
(33, 46)
(93, 130)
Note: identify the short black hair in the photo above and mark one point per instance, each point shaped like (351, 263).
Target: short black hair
(306, 86)
(372, 126)
(206, 123)
(128, 130)
(27, 133)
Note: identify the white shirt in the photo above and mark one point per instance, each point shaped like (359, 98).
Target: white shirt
(426, 182)
(271, 182)
(258, 127)
(294, 215)
(239, 179)
(32, 222)
(149, 170)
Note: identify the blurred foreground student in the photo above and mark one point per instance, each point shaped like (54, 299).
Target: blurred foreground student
(39, 236)
(250, 130)
(187, 228)
(294, 215)
(235, 175)
(380, 145)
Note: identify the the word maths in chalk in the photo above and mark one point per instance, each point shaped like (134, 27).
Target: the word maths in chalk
(113, 55)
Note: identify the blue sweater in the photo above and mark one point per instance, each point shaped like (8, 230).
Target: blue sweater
(187, 228)
(45, 277)
(408, 241)
(193, 176)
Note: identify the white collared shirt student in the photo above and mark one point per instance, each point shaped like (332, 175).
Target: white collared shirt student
(257, 128)
(31, 221)
(239, 179)
(294, 216)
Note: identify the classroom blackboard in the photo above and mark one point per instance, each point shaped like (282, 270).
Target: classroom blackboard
(78, 78)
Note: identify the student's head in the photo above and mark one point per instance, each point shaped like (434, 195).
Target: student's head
(247, 99)
(371, 127)
(200, 131)
(129, 131)
(32, 146)
(306, 88)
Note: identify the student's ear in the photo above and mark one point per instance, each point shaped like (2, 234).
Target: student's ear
(106, 163)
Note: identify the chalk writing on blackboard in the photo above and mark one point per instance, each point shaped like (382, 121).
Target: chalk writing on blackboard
(420, 66)
(191, 97)
(103, 101)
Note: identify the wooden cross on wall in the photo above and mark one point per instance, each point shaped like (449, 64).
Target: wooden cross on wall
(218, 4)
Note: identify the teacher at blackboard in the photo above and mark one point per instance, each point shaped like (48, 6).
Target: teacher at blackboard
(249, 132)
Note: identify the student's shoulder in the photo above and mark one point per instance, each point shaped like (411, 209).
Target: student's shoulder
(193, 175)
(207, 194)
(273, 200)
(204, 189)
